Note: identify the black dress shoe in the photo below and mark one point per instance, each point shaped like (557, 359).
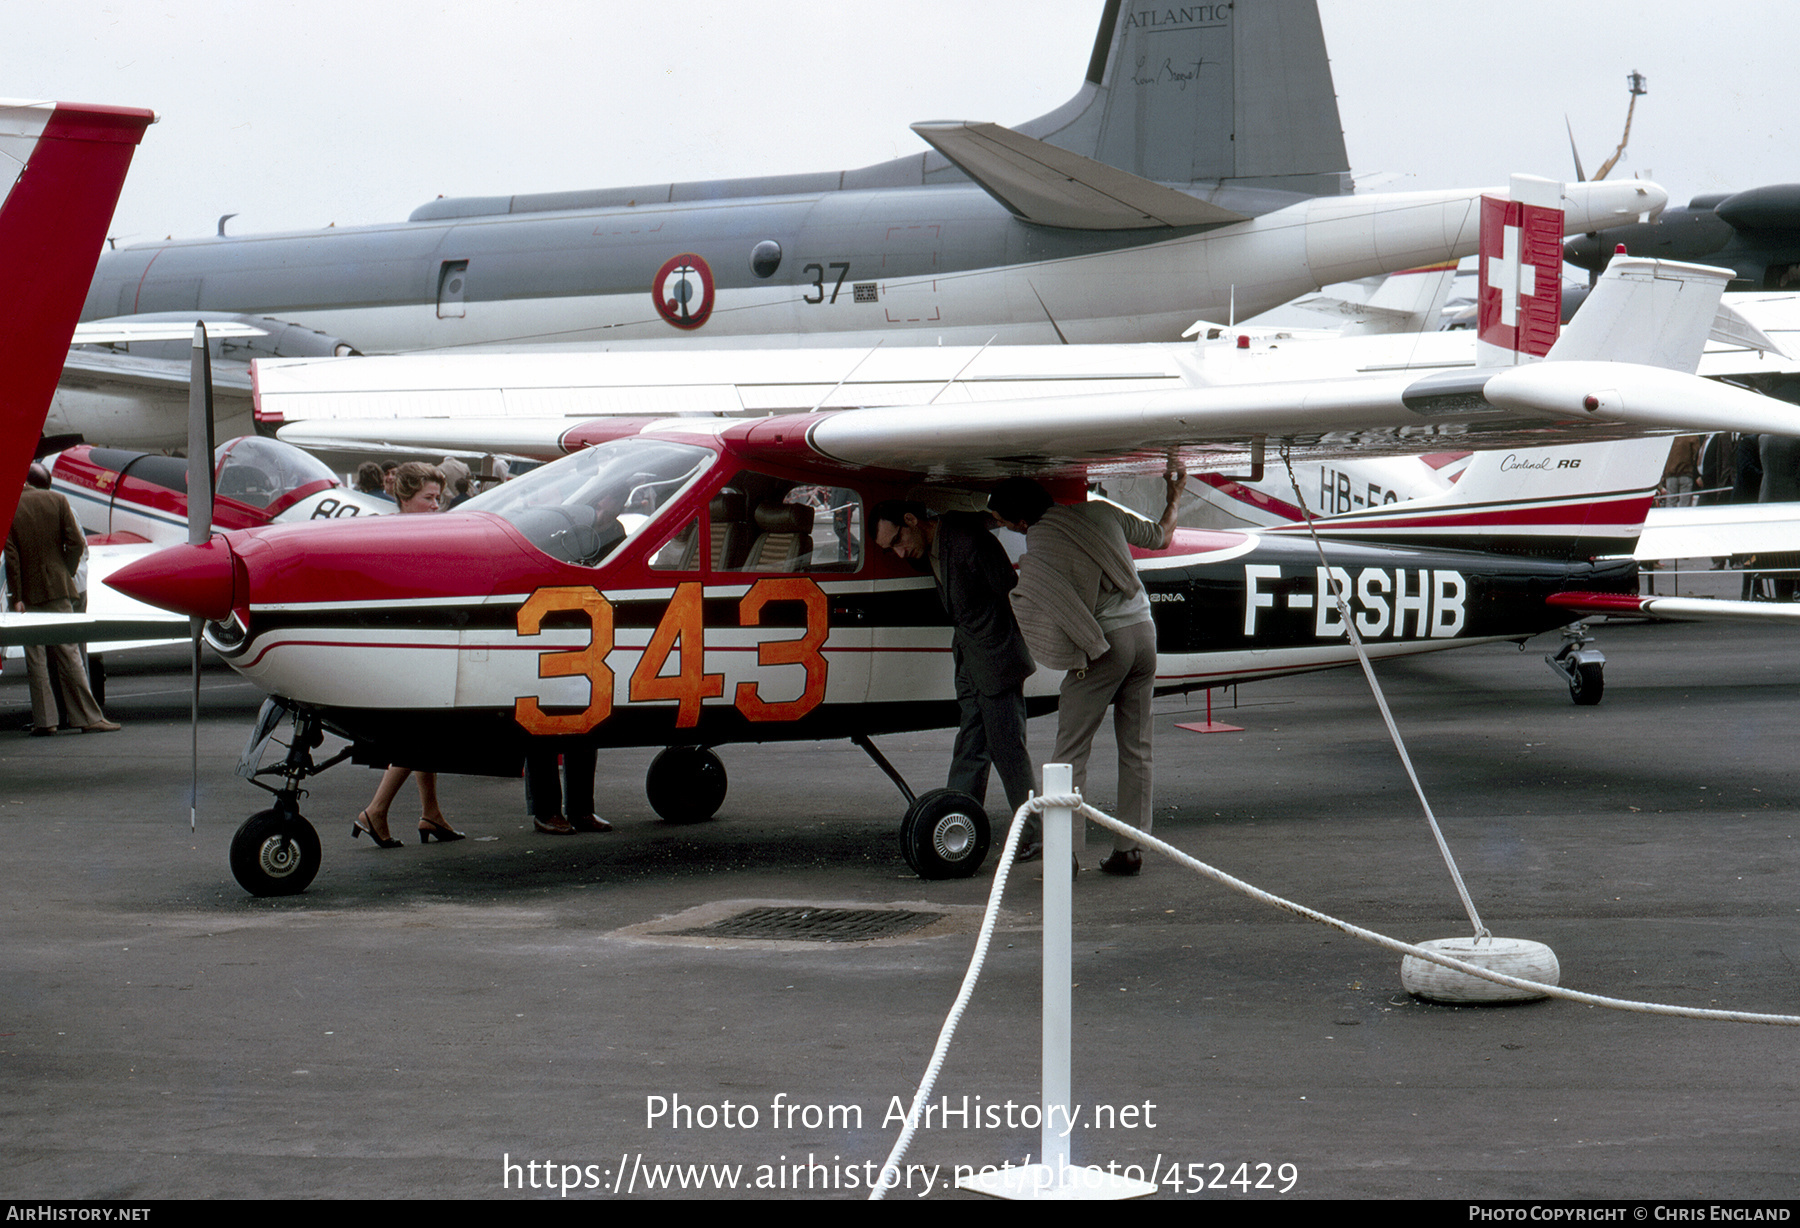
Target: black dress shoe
(591, 822)
(1123, 862)
(1029, 850)
(556, 825)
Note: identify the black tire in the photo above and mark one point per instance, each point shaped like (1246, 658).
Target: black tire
(1587, 684)
(686, 784)
(945, 834)
(274, 855)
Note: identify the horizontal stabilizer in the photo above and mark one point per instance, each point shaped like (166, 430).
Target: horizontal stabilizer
(1720, 529)
(1053, 187)
(1681, 609)
(1730, 327)
(1654, 312)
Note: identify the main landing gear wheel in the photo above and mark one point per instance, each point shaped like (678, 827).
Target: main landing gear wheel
(944, 835)
(1587, 683)
(274, 854)
(686, 784)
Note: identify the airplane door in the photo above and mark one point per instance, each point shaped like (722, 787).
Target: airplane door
(911, 256)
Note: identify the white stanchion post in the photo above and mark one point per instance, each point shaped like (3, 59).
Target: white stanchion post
(1059, 972)
(1055, 1177)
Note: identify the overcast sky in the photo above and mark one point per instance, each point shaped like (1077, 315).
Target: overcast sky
(300, 115)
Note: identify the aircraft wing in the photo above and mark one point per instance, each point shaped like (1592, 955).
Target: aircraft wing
(152, 627)
(108, 369)
(1041, 183)
(1538, 405)
(122, 332)
(111, 618)
(1719, 529)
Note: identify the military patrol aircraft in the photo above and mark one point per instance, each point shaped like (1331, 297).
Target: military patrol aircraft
(1755, 233)
(1198, 170)
(687, 583)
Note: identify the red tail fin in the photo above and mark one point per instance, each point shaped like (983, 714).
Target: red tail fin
(1519, 308)
(52, 225)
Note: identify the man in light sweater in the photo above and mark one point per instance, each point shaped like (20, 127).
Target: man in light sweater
(1082, 608)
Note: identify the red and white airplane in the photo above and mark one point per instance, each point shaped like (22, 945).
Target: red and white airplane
(132, 504)
(123, 497)
(694, 582)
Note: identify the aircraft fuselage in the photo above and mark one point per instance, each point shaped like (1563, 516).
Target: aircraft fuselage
(920, 265)
(450, 642)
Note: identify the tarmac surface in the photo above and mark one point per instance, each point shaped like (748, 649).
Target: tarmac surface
(445, 1021)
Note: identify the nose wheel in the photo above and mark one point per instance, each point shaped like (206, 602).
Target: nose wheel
(275, 853)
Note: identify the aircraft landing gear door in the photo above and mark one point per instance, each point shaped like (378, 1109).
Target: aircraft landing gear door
(453, 276)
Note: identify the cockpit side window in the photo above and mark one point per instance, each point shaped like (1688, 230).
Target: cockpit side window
(761, 523)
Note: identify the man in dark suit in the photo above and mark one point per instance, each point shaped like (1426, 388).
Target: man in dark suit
(43, 552)
(974, 577)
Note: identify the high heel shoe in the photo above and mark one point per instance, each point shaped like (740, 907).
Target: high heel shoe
(443, 831)
(360, 826)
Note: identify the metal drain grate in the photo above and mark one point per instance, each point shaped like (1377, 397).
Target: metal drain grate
(815, 924)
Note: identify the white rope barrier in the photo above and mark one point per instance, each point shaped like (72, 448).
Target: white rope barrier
(1037, 805)
(1001, 871)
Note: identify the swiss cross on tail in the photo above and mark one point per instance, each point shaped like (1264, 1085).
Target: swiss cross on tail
(1520, 302)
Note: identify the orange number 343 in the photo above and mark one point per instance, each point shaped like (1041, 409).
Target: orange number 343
(682, 631)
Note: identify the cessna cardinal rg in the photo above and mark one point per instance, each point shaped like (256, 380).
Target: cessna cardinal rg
(1200, 164)
(689, 583)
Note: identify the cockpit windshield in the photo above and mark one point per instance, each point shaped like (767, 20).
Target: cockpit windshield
(582, 508)
(261, 472)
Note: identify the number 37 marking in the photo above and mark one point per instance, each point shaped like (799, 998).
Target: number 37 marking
(682, 631)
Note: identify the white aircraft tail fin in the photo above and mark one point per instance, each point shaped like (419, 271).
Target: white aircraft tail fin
(1654, 312)
(61, 167)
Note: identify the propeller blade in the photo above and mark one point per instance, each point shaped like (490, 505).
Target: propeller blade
(200, 441)
(200, 513)
(1574, 152)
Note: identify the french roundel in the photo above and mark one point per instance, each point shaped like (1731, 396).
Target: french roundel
(683, 291)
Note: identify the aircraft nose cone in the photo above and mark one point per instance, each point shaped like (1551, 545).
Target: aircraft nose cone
(193, 580)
